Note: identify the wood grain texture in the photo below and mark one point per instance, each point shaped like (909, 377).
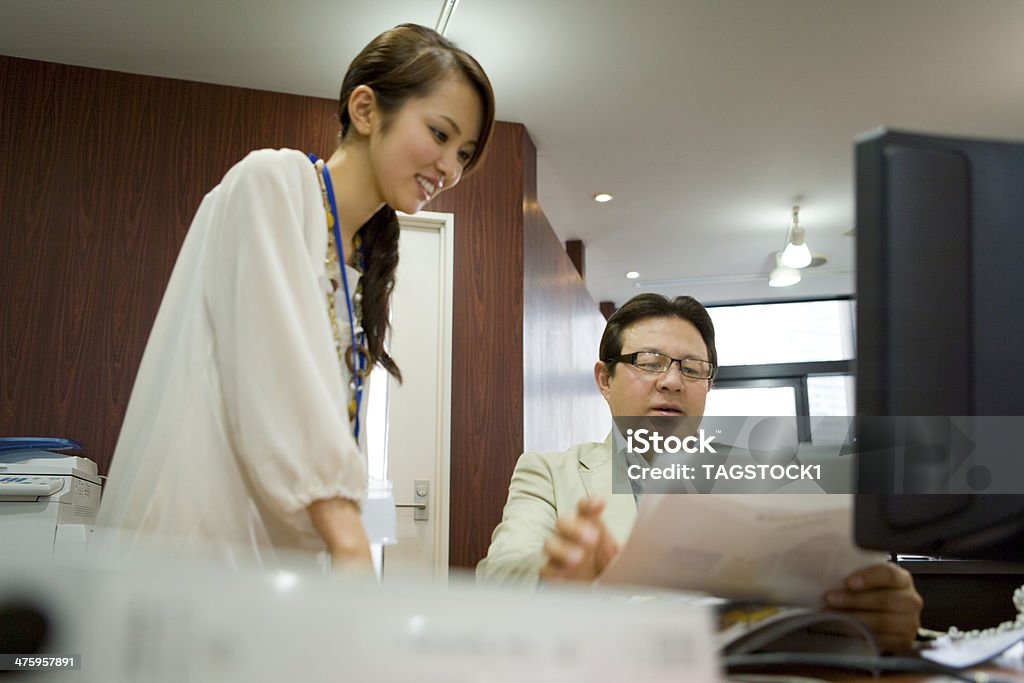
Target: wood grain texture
(562, 329)
(487, 342)
(519, 304)
(577, 252)
(100, 174)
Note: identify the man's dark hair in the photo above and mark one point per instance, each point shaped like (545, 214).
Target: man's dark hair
(649, 305)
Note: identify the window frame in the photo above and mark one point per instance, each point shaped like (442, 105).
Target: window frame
(788, 374)
(783, 375)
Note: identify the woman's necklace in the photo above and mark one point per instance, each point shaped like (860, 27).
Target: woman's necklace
(356, 354)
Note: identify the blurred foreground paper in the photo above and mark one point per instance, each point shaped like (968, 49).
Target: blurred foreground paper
(781, 548)
(166, 618)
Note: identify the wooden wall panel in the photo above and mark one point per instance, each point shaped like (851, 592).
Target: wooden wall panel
(100, 174)
(487, 347)
(577, 253)
(562, 329)
(519, 303)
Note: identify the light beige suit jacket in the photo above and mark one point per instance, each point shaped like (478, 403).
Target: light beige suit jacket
(544, 487)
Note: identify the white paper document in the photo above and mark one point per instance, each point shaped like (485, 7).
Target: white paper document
(789, 548)
(971, 651)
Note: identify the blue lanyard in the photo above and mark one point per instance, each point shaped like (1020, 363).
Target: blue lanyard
(357, 360)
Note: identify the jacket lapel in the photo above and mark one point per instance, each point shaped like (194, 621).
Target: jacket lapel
(595, 468)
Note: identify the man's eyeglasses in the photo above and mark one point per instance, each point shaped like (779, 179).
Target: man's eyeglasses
(659, 363)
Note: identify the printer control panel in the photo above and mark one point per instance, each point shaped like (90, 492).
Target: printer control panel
(20, 487)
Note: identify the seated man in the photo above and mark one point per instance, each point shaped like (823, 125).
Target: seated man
(560, 523)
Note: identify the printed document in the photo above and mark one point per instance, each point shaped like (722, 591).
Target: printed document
(788, 548)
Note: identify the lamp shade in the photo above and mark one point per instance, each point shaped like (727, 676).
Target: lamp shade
(796, 254)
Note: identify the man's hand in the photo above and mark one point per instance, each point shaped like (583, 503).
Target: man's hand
(884, 598)
(581, 547)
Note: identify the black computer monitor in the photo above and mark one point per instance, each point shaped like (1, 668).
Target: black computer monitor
(940, 345)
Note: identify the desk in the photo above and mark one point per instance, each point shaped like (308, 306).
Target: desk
(968, 594)
(996, 673)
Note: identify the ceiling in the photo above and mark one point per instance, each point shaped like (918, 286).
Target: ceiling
(705, 119)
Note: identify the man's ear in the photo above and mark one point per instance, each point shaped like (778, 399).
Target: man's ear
(602, 378)
(362, 109)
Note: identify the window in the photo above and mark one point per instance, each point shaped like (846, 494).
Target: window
(787, 359)
(758, 397)
(792, 332)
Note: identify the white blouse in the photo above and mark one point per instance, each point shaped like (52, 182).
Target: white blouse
(238, 419)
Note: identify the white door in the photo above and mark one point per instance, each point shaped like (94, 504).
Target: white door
(415, 416)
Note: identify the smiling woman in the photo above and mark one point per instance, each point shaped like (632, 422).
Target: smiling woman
(242, 437)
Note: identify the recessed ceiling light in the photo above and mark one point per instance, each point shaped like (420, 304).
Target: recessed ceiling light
(602, 197)
(632, 275)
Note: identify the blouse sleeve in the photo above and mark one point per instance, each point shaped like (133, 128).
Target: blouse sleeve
(285, 397)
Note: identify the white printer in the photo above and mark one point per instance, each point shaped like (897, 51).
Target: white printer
(48, 500)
